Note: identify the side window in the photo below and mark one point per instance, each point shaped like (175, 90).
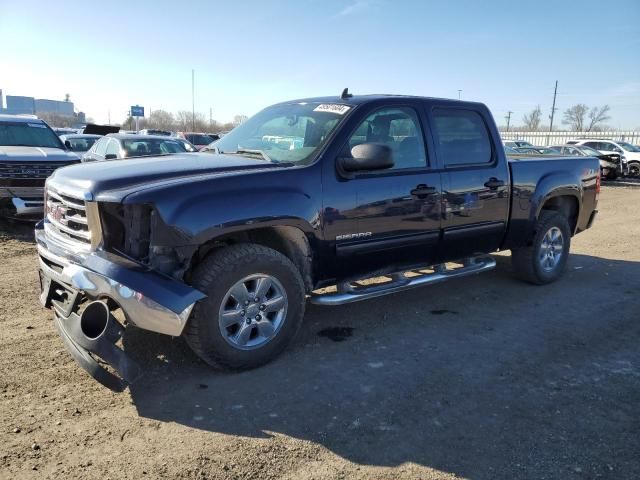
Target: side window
(113, 148)
(461, 137)
(399, 128)
(101, 147)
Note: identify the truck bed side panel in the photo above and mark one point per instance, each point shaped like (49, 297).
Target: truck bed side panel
(535, 181)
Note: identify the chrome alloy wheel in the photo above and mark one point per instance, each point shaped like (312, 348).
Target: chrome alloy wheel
(551, 249)
(253, 311)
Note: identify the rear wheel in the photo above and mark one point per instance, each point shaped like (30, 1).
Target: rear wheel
(634, 169)
(545, 259)
(254, 306)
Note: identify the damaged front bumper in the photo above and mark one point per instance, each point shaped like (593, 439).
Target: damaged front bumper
(70, 281)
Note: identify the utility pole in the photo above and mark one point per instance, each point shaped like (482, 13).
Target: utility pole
(553, 107)
(508, 119)
(459, 94)
(193, 101)
(109, 116)
(210, 117)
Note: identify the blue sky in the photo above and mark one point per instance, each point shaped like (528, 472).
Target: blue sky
(249, 54)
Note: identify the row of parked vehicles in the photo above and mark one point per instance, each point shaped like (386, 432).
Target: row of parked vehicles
(616, 157)
(30, 151)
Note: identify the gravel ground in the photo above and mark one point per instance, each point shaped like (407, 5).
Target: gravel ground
(482, 378)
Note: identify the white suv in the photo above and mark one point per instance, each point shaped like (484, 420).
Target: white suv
(630, 153)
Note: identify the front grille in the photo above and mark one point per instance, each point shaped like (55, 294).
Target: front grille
(67, 218)
(30, 170)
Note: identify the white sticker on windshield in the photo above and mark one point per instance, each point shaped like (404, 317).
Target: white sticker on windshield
(332, 108)
(38, 125)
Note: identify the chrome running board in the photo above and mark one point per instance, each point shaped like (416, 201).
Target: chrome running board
(348, 292)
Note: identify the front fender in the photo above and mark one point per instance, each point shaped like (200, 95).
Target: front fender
(197, 212)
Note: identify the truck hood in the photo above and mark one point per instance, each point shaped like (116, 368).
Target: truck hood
(113, 180)
(35, 154)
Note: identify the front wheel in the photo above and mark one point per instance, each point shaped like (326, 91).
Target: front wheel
(634, 169)
(253, 309)
(544, 261)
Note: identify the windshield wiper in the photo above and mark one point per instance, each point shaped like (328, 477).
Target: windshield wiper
(251, 151)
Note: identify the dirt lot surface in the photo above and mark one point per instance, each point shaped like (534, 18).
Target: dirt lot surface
(481, 378)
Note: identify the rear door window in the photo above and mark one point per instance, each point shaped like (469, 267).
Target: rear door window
(101, 147)
(461, 137)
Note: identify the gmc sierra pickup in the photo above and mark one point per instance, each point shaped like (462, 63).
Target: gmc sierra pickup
(224, 247)
(29, 152)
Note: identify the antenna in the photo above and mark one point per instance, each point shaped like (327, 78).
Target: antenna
(346, 94)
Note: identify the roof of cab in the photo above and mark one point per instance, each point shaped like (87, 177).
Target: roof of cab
(361, 99)
(19, 119)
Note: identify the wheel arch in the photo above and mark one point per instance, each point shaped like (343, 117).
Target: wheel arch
(289, 240)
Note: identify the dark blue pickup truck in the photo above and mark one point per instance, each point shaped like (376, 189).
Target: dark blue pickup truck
(224, 247)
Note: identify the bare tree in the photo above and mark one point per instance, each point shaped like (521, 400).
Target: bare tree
(161, 119)
(597, 116)
(532, 120)
(575, 117)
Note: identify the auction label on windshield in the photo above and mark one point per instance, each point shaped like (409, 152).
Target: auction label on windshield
(332, 108)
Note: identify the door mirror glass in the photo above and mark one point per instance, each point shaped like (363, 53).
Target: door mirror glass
(369, 156)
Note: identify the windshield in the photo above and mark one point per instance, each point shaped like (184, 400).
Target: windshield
(284, 133)
(28, 135)
(82, 144)
(589, 150)
(628, 147)
(152, 146)
(199, 138)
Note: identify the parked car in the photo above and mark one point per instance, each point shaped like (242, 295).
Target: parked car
(65, 131)
(153, 131)
(610, 164)
(117, 146)
(29, 152)
(535, 150)
(225, 252)
(199, 140)
(630, 153)
(517, 143)
(79, 142)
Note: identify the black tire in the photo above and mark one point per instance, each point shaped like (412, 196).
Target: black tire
(526, 261)
(215, 276)
(634, 169)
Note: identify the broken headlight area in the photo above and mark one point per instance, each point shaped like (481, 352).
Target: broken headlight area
(138, 233)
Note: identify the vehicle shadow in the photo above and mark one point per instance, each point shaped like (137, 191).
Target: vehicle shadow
(477, 377)
(17, 230)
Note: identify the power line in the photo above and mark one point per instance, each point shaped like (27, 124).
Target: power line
(553, 107)
(507, 117)
(193, 101)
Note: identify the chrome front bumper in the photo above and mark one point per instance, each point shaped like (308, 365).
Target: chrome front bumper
(148, 300)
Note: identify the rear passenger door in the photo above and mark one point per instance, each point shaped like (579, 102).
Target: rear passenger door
(475, 181)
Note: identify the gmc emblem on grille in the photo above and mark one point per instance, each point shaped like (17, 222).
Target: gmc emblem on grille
(57, 212)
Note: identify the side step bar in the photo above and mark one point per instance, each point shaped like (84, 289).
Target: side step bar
(348, 292)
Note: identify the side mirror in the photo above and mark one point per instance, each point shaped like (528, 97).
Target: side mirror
(110, 156)
(67, 144)
(368, 156)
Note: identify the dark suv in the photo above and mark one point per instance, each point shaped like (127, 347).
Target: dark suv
(29, 153)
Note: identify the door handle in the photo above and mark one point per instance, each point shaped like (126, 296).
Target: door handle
(493, 183)
(423, 191)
